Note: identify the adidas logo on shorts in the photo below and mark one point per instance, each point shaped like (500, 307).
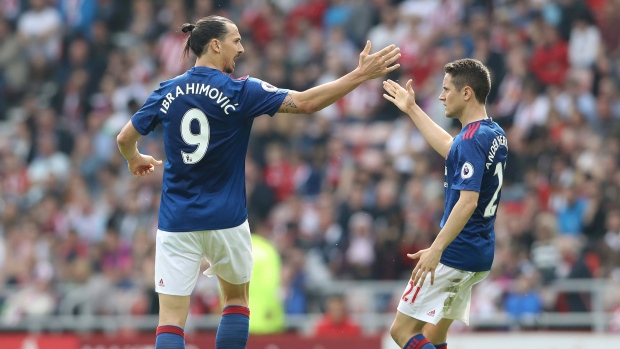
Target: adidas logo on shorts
(431, 313)
(161, 283)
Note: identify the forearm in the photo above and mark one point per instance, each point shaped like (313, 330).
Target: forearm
(129, 150)
(459, 216)
(127, 142)
(436, 136)
(321, 96)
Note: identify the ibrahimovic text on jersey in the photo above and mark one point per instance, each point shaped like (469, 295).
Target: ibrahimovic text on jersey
(207, 116)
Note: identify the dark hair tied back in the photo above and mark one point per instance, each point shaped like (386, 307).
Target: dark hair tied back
(201, 34)
(187, 27)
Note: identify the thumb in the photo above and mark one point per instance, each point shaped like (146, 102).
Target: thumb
(367, 47)
(413, 255)
(409, 88)
(156, 162)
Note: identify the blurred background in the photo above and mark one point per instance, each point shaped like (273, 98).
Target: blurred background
(335, 199)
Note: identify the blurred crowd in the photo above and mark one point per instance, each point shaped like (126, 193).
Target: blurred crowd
(342, 194)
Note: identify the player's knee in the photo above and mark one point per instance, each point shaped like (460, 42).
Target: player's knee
(397, 333)
(242, 301)
(173, 310)
(235, 294)
(431, 336)
(435, 334)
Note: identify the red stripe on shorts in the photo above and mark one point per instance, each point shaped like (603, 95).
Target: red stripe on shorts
(415, 295)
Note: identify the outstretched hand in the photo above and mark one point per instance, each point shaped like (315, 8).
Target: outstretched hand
(142, 165)
(429, 259)
(378, 64)
(403, 98)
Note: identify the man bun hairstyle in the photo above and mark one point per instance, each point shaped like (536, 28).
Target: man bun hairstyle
(470, 72)
(201, 34)
(187, 27)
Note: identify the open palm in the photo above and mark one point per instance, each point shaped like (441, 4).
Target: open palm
(403, 98)
(380, 63)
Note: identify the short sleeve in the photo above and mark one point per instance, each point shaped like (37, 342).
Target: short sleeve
(145, 119)
(261, 98)
(469, 165)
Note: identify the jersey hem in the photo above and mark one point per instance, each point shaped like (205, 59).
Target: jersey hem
(460, 268)
(201, 228)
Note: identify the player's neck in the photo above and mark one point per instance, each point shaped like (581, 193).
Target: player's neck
(475, 113)
(209, 62)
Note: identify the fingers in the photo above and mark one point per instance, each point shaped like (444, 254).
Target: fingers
(389, 87)
(392, 85)
(422, 277)
(414, 274)
(392, 68)
(432, 277)
(386, 50)
(389, 98)
(144, 170)
(391, 56)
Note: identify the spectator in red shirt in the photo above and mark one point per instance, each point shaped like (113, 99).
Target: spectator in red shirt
(549, 60)
(336, 321)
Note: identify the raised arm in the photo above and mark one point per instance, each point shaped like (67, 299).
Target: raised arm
(371, 66)
(404, 99)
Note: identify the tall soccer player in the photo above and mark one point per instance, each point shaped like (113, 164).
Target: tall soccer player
(439, 291)
(207, 116)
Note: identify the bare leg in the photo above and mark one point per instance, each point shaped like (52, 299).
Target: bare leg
(232, 332)
(437, 334)
(235, 294)
(173, 310)
(405, 327)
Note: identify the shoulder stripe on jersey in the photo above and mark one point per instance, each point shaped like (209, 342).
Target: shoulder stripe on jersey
(475, 129)
(467, 132)
(472, 131)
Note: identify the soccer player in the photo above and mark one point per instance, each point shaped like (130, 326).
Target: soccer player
(206, 117)
(439, 291)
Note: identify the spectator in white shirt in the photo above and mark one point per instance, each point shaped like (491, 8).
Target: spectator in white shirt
(584, 43)
(40, 30)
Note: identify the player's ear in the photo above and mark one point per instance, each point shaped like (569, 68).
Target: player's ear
(215, 45)
(467, 93)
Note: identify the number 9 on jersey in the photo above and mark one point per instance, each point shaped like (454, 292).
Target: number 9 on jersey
(200, 139)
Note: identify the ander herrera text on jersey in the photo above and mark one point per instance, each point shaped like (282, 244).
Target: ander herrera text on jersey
(476, 162)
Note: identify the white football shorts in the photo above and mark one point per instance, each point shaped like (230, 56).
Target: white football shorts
(449, 297)
(178, 256)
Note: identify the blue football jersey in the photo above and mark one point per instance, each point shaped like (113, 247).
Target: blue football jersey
(476, 162)
(206, 116)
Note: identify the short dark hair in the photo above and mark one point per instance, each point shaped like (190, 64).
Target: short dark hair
(470, 72)
(201, 33)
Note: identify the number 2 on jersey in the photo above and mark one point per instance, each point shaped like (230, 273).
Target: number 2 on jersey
(200, 139)
(492, 206)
